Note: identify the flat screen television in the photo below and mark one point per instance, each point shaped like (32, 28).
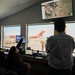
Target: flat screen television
(18, 37)
(37, 34)
(57, 9)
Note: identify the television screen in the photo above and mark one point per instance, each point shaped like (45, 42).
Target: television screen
(18, 37)
(56, 9)
(37, 35)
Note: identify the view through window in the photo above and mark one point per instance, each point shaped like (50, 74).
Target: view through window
(8, 34)
(37, 35)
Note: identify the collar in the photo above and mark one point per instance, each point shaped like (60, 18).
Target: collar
(61, 33)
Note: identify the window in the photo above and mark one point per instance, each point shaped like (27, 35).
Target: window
(37, 35)
(8, 35)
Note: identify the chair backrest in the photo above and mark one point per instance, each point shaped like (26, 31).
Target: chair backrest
(2, 70)
(3, 60)
(9, 73)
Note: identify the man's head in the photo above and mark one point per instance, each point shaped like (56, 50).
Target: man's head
(59, 25)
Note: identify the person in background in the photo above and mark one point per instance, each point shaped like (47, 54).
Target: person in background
(3, 60)
(60, 47)
(15, 60)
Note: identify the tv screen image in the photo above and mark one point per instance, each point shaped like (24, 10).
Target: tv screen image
(18, 37)
(56, 9)
(37, 35)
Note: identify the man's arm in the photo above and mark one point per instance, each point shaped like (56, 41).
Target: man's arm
(49, 44)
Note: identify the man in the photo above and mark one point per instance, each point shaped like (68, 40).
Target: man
(60, 48)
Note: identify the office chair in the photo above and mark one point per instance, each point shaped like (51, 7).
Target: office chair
(9, 73)
(3, 71)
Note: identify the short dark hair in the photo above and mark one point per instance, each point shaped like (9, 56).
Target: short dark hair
(12, 50)
(59, 25)
(11, 53)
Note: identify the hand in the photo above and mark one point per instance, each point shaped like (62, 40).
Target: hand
(22, 38)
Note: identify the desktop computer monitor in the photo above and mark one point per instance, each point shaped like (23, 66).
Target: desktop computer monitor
(28, 52)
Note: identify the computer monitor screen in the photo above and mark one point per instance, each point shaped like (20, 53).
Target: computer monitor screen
(37, 35)
(28, 52)
(56, 9)
(18, 37)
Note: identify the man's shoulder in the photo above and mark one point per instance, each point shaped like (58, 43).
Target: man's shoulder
(58, 36)
(69, 36)
(51, 37)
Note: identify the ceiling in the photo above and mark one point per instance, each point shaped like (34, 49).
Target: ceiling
(9, 7)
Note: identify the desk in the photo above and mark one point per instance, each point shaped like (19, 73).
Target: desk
(38, 64)
(35, 59)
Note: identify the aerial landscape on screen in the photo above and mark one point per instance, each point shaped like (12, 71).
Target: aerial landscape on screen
(56, 8)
